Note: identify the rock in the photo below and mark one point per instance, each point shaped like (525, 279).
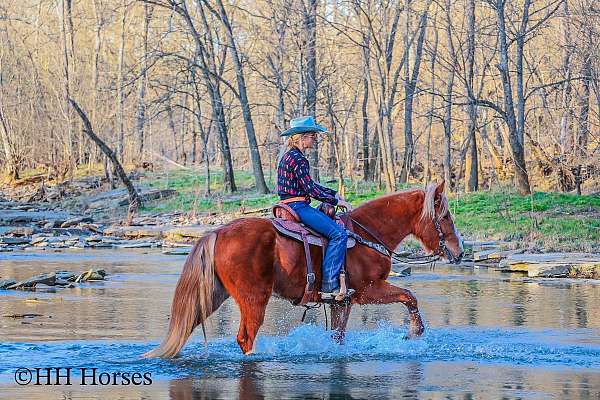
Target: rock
(65, 275)
(493, 255)
(401, 272)
(36, 241)
(550, 264)
(14, 240)
(136, 244)
(75, 221)
(585, 272)
(188, 232)
(91, 275)
(17, 230)
(62, 282)
(92, 227)
(46, 279)
(4, 283)
(69, 232)
(14, 217)
(135, 231)
(177, 251)
(152, 195)
(98, 245)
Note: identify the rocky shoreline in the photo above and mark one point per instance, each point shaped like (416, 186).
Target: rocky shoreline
(35, 226)
(40, 226)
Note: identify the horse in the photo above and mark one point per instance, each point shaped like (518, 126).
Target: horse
(249, 260)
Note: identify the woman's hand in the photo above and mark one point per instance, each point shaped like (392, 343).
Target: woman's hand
(343, 203)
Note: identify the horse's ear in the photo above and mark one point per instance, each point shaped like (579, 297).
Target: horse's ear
(439, 190)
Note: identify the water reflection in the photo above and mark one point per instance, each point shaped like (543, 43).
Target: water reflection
(336, 380)
(555, 322)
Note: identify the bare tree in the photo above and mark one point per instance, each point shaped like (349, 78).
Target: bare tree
(134, 199)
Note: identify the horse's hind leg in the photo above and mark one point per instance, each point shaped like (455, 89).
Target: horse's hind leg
(252, 311)
(381, 292)
(339, 319)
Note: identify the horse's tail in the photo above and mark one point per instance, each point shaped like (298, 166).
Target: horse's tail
(197, 291)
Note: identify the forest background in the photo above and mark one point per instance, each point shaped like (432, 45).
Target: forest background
(484, 94)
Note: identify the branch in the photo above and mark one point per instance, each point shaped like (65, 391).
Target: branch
(134, 199)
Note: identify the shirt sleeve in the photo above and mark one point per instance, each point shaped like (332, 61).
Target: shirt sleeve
(326, 189)
(313, 189)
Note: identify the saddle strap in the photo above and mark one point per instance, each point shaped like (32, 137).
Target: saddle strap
(310, 275)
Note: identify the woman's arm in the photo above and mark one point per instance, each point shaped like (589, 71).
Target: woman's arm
(313, 189)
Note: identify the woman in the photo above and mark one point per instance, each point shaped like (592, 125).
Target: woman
(295, 187)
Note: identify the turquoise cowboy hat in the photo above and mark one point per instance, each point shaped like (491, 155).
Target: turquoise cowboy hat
(303, 125)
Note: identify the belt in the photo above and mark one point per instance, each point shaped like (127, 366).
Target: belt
(293, 199)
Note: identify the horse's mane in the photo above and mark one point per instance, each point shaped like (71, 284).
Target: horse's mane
(386, 197)
(429, 203)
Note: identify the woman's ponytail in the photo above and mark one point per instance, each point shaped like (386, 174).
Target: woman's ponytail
(294, 140)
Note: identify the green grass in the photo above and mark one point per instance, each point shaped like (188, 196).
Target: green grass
(554, 221)
(551, 220)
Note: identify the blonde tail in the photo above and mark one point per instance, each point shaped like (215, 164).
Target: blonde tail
(193, 299)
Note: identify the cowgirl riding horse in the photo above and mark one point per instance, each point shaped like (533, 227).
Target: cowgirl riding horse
(249, 260)
(295, 187)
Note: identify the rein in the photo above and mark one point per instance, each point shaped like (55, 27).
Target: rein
(381, 247)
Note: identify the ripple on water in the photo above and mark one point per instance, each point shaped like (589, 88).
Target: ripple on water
(311, 343)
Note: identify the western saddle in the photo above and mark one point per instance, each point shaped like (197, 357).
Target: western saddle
(287, 223)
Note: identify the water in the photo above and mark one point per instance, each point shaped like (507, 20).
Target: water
(489, 335)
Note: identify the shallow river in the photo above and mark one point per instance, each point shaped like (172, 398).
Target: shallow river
(489, 335)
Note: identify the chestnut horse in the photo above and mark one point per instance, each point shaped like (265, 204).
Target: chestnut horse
(249, 260)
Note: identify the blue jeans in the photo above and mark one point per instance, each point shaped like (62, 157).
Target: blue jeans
(335, 253)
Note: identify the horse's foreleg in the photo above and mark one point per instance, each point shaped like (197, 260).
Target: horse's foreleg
(339, 319)
(381, 292)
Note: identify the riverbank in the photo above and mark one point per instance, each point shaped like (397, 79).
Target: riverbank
(178, 210)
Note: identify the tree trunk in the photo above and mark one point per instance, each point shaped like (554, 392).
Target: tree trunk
(10, 156)
(472, 176)
(409, 90)
(567, 113)
(366, 55)
(141, 114)
(427, 173)
(583, 105)
(134, 200)
(310, 29)
(516, 142)
(171, 124)
(259, 178)
(120, 128)
(96, 71)
(70, 157)
(448, 178)
(209, 71)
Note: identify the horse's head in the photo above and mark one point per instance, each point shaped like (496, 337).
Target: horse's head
(435, 227)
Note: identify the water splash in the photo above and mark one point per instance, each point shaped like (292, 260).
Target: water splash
(311, 343)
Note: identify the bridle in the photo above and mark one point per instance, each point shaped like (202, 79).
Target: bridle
(442, 248)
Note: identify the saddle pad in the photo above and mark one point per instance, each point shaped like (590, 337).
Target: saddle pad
(294, 230)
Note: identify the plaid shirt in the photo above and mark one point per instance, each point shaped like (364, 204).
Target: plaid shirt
(293, 179)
